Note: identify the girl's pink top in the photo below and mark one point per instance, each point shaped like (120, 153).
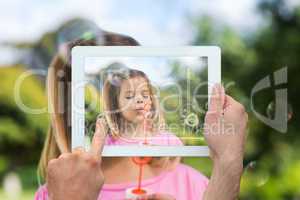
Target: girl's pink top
(162, 138)
(183, 182)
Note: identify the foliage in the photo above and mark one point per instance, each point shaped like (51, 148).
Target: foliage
(272, 165)
(272, 159)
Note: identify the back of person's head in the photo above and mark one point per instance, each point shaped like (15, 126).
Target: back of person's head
(58, 139)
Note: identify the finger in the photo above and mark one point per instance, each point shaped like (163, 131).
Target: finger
(78, 150)
(98, 138)
(217, 99)
(147, 107)
(64, 155)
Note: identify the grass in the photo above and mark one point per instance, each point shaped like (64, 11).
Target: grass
(26, 195)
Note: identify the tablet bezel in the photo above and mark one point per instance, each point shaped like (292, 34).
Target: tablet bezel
(79, 53)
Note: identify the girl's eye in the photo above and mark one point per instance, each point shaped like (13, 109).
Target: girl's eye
(145, 94)
(129, 97)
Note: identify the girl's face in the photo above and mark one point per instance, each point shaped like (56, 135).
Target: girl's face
(135, 99)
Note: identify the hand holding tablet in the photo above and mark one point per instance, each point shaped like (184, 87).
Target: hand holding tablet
(226, 122)
(77, 175)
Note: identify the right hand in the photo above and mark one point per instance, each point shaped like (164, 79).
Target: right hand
(225, 128)
(225, 133)
(78, 175)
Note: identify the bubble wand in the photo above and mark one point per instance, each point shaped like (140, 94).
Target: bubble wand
(141, 161)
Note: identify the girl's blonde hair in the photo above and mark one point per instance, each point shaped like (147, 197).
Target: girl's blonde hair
(58, 139)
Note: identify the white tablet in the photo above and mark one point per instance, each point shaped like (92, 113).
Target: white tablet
(152, 100)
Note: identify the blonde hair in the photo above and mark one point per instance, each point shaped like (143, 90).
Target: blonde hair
(58, 139)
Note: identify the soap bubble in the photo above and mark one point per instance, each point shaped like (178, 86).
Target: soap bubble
(12, 186)
(253, 168)
(262, 179)
(270, 111)
(79, 29)
(115, 72)
(192, 120)
(184, 112)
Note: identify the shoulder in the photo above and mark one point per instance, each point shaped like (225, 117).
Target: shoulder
(41, 193)
(191, 173)
(194, 180)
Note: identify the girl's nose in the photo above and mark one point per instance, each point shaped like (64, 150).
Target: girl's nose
(139, 99)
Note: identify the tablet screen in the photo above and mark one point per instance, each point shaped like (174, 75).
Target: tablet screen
(158, 101)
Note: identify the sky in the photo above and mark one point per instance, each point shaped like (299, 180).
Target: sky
(151, 22)
(149, 65)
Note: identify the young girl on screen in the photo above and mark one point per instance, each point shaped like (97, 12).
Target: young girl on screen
(132, 113)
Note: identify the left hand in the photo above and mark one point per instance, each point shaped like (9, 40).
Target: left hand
(77, 175)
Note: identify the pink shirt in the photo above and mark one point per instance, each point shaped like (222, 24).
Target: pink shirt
(183, 183)
(162, 138)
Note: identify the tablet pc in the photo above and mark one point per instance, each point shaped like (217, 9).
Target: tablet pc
(152, 99)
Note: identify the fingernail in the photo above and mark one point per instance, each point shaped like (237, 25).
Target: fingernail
(214, 89)
(222, 89)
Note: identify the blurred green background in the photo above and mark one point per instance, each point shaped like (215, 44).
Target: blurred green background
(272, 164)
